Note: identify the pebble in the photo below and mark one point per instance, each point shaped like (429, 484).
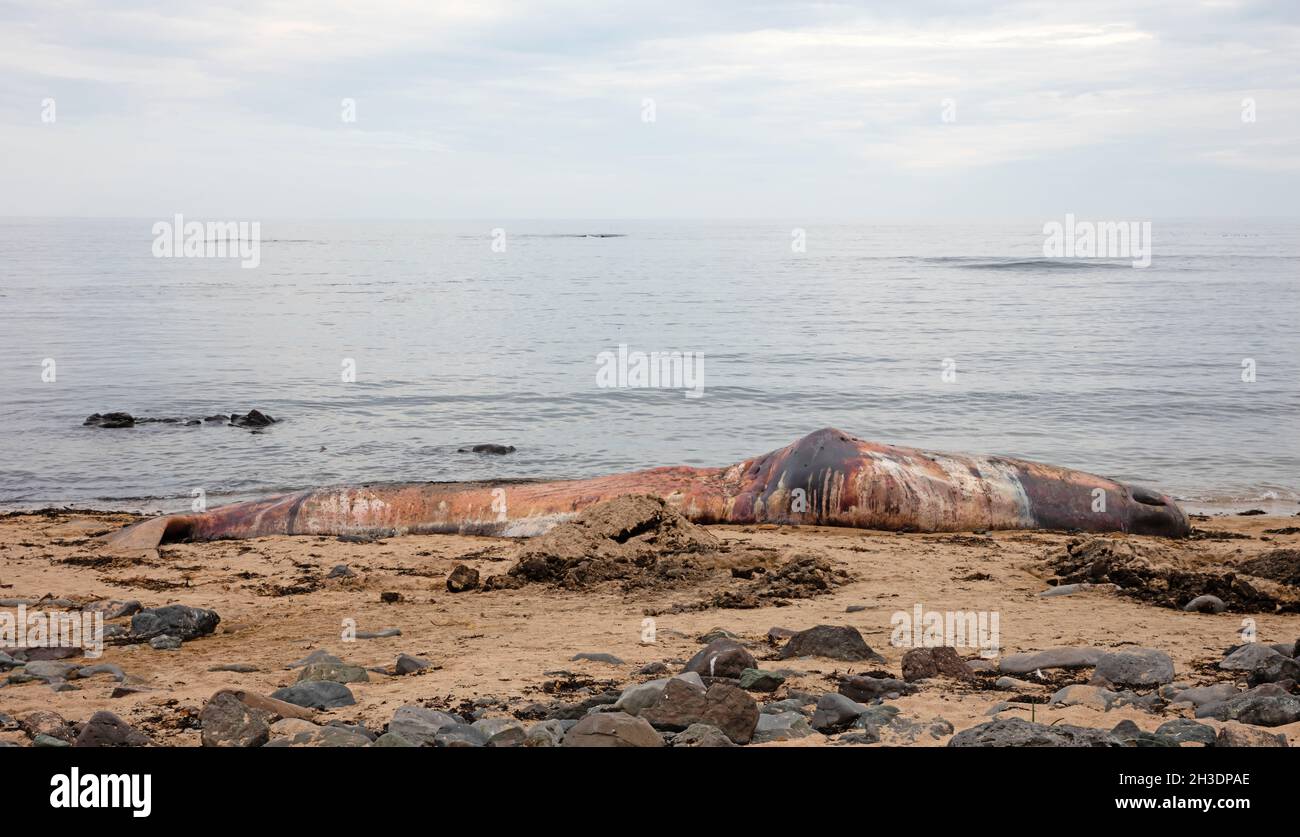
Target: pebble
(722, 658)
(612, 729)
(406, 664)
(419, 725)
(174, 620)
(316, 694)
(597, 657)
(1205, 604)
(837, 642)
(1050, 658)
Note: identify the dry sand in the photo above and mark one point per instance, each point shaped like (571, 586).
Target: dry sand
(276, 606)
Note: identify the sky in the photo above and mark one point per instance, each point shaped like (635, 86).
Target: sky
(732, 109)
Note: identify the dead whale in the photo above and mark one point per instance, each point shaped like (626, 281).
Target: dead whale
(828, 478)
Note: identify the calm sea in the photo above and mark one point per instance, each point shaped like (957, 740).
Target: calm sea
(1132, 373)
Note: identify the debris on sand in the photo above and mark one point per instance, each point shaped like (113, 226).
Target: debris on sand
(1162, 575)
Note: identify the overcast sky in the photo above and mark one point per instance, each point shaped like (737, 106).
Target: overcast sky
(485, 109)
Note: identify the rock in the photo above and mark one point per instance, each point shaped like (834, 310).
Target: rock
(384, 634)
(419, 725)
(49, 669)
(781, 726)
(460, 735)
(165, 643)
(1274, 670)
(651, 669)
(229, 723)
(104, 729)
(1205, 604)
(733, 711)
(127, 691)
(43, 740)
(721, 658)
(1201, 695)
(290, 727)
(406, 664)
(502, 732)
(1248, 657)
(254, 418)
(942, 661)
(1093, 697)
(864, 689)
(1240, 735)
(545, 734)
(102, 668)
(1017, 732)
(1049, 658)
(1011, 684)
(1136, 667)
(1258, 707)
(44, 722)
(113, 608)
(838, 642)
(497, 450)
(775, 635)
(1071, 589)
(758, 680)
(340, 571)
(612, 729)
(392, 597)
(271, 706)
(726, 707)
(641, 696)
(462, 578)
(835, 712)
(334, 736)
(109, 420)
(320, 655)
(333, 672)
(597, 657)
(7, 662)
(701, 735)
(237, 668)
(392, 739)
(1185, 729)
(316, 694)
(174, 620)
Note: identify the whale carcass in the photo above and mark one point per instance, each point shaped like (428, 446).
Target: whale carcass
(828, 478)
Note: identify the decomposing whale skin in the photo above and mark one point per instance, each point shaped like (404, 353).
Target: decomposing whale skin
(827, 478)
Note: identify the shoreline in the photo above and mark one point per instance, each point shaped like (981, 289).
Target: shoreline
(507, 653)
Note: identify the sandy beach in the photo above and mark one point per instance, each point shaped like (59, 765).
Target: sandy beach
(508, 652)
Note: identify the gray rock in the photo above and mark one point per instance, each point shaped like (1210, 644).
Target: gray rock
(104, 729)
(102, 668)
(165, 643)
(864, 689)
(1071, 589)
(1078, 694)
(782, 726)
(406, 664)
(835, 712)
(419, 725)
(333, 672)
(320, 655)
(650, 669)
(612, 729)
(174, 620)
(1274, 670)
(1017, 732)
(384, 634)
(1258, 707)
(787, 705)
(545, 734)
(1049, 658)
(49, 669)
(837, 642)
(502, 732)
(1136, 667)
(341, 571)
(460, 735)
(238, 668)
(726, 707)
(227, 722)
(43, 740)
(1201, 695)
(1012, 684)
(316, 694)
(392, 739)
(1205, 604)
(1185, 729)
(597, 657)
(758, 680)
(701, 735)
(1248, 657)
(1240, 735)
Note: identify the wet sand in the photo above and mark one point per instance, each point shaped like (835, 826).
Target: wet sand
(277, 605)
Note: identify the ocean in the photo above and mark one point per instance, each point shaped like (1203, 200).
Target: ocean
(957, 337)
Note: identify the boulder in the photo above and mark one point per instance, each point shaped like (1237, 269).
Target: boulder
(837, 642)
(1136, 667)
